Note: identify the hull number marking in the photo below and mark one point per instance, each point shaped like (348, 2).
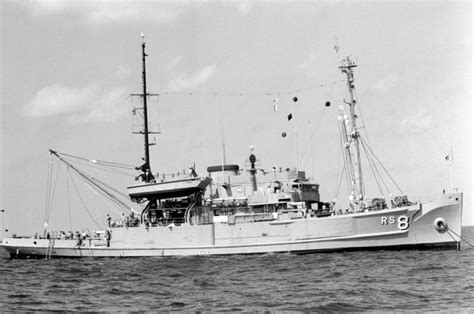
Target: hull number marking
(402, 221)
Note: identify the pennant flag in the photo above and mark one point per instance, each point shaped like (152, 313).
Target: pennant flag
(449, 156)
(290, 116)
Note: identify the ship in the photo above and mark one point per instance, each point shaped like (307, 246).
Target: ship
(251, 211)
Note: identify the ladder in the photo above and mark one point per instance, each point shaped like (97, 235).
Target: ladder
(49, 250)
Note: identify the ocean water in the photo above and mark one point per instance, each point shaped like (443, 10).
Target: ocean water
(352, 281)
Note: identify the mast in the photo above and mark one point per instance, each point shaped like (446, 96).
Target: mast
(253, 170)
(346, 67)
(145, 111)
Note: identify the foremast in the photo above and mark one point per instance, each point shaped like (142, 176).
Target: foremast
(352, 135)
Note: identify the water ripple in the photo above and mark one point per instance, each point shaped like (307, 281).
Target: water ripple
(326, 282)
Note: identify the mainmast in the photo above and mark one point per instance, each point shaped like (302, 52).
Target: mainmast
(357, 196)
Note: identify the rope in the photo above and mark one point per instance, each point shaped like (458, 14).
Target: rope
(361, 116)
(110, 187)
(248, 93)
(101, 190)
(461, 238)
(362, 139)
(48, 188)
(4, 225)
(102, 168)
(342, 157)
(50, 204)
(372, 168)
(374, 164)
(109, 163)
(83, 205)
(68, 197)
(314, 130)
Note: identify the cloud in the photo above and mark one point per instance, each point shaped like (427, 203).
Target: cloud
(308, 62)
(416, 123)
(244, 7)
(185, 81)
(105, 11)
(77, 105)
(177, 60)
(386, 83)
(123, 72)
(58, 99)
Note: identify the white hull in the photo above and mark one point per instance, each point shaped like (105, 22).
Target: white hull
(385, 229)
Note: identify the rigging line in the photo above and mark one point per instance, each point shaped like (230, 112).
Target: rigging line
(48, 188)
(388, 174)
(98, 161)
(366, 146)
(361, 115)
(376, 168)
(116, 171)
(68, 174)
(314, 130)
(379, 174)
(338, 185)
(109, 169)
(113, 206)
(347, 161)
(87, 177)
(248, 93)
(105, 169)
(112, 163)
(460, 238)
(136, 110)
(371, 168)
(350, 171)
(110, 187)
(381, 177)
(54, 193)
(83, 205)
(341, 157)
(346, 170)
(5, 227)
(103, 191)
(111, 202)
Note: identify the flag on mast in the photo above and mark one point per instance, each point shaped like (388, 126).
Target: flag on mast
(449, 156)
(275, 104)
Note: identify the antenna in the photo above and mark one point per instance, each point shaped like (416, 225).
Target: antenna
(222, 137)
(336, 48)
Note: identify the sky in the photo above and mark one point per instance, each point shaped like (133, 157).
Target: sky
(68, 69)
